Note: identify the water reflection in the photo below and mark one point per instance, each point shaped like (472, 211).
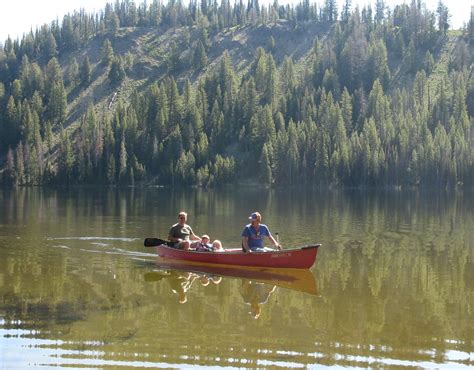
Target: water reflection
(256, 294)
(181, 282)
(395, 281)
(256, 284)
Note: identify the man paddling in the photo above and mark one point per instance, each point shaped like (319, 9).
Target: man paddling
(254, 233)
(181, 234)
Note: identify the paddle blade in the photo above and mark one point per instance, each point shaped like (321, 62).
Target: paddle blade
(153, 242)
(156, 275)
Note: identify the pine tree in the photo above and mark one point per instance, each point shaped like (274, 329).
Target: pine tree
(201, 153)
(72, 77)
(17, 90)
(85, 72)
(271, 92)
(199, 57)
(330, 10)
(287, 76)
(69, 36)
(112, 23)
(9, 174)
(111, 169)
(107, 53)
(262, 129)
(292, 166)
(261, 70)
(217, 133)
(428, 62)
(53, 75)
(117, 72)
(123, 161)
(50, 47)
(48, 134)
(443, 17)
(32, 167)
(175, 102)
(346, 108)
(11, 124)
(67, 158)
(346, 11)
(379, 11)
(265, 166)
(442, 156)
(57, 105)
(19, 165)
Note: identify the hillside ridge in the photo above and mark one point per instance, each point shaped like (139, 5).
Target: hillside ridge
(282, 95)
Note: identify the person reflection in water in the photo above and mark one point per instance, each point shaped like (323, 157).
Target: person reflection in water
(206, 279)
(256, 294)
(180, 284)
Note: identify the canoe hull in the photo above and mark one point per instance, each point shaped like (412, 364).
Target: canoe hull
(297, 258)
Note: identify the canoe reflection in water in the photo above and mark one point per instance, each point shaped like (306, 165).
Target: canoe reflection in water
(257, 283)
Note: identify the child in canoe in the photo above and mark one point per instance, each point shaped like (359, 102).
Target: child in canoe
(206, 246)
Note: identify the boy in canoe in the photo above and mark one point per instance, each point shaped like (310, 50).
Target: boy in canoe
(254, 233)
(205, 245)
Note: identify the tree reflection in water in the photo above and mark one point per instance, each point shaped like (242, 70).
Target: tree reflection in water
(396, 275)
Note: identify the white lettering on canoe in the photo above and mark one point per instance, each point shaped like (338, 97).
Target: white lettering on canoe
(279, 255)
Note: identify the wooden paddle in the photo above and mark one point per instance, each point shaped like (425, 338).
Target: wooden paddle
(278, 240)
(154, 242)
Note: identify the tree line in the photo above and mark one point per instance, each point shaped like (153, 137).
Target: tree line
(373, 104)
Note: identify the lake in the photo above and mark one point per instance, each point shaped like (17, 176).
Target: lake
(393, 284)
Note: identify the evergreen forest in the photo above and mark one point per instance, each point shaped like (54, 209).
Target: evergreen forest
(210, 93)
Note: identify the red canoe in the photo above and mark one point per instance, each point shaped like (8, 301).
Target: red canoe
(297, 258)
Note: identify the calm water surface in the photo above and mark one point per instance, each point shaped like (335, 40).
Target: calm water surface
(393, 286)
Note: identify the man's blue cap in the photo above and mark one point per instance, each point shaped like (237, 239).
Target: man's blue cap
(254, 216)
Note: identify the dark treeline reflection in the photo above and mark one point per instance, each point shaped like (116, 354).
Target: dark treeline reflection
(395, 274)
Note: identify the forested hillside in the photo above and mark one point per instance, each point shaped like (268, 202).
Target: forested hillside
(213, 93)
